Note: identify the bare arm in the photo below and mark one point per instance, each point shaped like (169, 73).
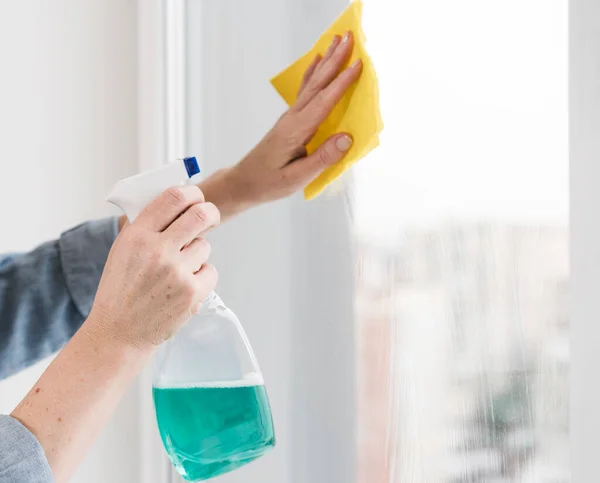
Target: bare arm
(76, 395)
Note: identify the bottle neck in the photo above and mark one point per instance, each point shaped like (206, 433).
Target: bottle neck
(212, 302)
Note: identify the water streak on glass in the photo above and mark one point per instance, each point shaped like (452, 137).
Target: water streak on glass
(461, 228)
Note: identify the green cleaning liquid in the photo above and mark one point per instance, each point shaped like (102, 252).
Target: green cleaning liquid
(208, 431)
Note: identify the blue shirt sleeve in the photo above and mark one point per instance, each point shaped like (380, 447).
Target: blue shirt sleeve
(46, 294)
(22, 458)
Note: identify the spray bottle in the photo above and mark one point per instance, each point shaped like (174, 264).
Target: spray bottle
(211, 405)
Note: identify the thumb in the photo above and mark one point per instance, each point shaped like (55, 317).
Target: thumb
(303, 171)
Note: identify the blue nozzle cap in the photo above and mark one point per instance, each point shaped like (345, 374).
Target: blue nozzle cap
(191, 166)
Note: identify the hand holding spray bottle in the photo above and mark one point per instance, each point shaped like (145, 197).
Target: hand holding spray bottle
(211, 405)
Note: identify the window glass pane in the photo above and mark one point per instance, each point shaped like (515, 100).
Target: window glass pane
(461, 227)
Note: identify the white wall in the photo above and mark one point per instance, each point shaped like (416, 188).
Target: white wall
(68, 131)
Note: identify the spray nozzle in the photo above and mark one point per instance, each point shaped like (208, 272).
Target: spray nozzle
(132, 194)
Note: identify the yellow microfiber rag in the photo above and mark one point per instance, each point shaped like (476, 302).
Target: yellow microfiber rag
(357, 113)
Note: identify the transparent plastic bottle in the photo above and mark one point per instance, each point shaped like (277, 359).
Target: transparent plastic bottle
(211, 404)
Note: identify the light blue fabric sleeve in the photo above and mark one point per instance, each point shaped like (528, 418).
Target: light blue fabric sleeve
(22, 459)
(46, 294)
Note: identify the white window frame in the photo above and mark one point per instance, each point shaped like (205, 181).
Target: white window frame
(159, 117)
(585, 236)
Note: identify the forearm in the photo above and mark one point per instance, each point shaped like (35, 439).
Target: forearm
(226, 190)
(75, 396)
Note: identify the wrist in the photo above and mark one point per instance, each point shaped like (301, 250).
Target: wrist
(103, 331)
(228, 191)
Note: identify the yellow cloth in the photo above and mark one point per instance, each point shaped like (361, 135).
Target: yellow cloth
(357, 113)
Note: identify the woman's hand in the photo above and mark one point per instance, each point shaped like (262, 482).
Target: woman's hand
(279, 166)
(156, 275)
(155, 278)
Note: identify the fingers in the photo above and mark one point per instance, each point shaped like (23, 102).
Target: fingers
(196, 254)
(303, 171)
(197, 219)
(308, 121)
(310, 71)
(315, 63)
(337, 40)
(161, 212)
(322, 89)
(329, 67)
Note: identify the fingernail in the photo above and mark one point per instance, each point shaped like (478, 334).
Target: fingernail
(346, 37)
(357, 63)
(344, 143)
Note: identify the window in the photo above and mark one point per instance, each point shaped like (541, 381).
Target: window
(461, 226)
(437, 352)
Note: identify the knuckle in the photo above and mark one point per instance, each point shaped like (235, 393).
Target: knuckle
(216, 213)
(288, 177)
(199, 213)
(321, 105)
(161, 259)
(287, 129)
(311, 88)
(208, 276)
(204, 246)
(294, 140)
(324, 157)
(175, 196)
(212, 273)
(320, 98)
(197, 191)
(206, 213)
(322, 111)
